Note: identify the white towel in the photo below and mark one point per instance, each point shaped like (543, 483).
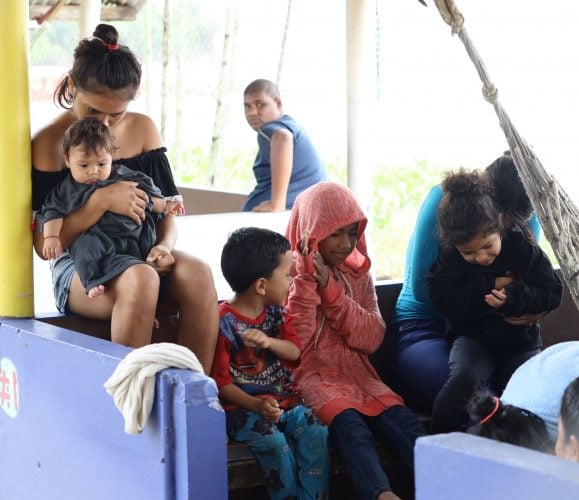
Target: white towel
(132, 385)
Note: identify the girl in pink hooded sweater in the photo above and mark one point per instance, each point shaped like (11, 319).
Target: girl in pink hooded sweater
(334, 308)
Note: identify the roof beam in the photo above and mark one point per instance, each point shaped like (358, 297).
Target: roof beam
(72, 13)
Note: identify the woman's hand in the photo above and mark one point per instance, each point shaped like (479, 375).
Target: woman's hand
(524, 320)
(161, 259)
(124, 198)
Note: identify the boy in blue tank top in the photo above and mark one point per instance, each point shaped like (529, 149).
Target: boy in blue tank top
(287, 162)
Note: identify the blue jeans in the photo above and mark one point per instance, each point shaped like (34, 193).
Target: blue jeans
(292, 453)
(353, 434)
(417, 361)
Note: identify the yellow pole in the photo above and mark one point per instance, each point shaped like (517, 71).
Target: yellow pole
(16, 284)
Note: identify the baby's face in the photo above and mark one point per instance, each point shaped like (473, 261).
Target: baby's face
(88, 167)
(336, 248)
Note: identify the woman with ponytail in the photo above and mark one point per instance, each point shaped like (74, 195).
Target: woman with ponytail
(104, 79)
(503, 422)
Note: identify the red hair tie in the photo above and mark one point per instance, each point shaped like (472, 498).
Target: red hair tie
(112, 46)
(493, 411)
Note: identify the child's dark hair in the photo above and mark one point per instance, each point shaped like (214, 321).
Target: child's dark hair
(507, 423)
(91, 134)
(100, 65)
(467, 209)
(510, 195)
(251, 253)
(570, 410)
(262, 85)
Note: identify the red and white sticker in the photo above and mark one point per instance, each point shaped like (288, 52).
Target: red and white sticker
(9, 395)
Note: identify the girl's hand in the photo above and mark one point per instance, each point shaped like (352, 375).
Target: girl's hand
(496, 298)
(161, 259)
(322, 273)
(502, 281)
(252, 337)
(269, 409)
(124, 198)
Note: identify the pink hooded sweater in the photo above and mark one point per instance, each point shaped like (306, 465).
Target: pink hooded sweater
(339, 325)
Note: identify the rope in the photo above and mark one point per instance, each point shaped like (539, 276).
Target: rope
(557, 213)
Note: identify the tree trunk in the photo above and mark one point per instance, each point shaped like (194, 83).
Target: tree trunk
(165, 77)
(223, 90)
(179, 100)
(284, 42)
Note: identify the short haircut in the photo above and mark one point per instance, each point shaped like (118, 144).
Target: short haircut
(251, 253)
(91, 135)
(570, 410)
(262, 85)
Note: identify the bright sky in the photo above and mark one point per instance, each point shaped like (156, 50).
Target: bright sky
(432, 106)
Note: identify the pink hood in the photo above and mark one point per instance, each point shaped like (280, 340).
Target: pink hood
(322, 209)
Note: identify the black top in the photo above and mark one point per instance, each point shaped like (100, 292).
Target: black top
(457, 289)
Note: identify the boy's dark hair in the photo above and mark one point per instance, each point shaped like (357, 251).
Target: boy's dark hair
(251, 253)
(507, 423)
(570, 410)
(91, 134)
(262, 85)
(101, 65)
(510, 195)
(467, 209)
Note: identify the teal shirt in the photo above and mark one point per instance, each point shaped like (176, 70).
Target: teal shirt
(423, 248)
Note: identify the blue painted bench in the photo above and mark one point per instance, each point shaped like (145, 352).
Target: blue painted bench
(243, 470)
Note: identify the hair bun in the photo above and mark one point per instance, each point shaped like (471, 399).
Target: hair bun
(463, 183)
(107, 34)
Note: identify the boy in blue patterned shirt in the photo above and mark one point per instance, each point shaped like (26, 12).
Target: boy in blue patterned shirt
(256, 348)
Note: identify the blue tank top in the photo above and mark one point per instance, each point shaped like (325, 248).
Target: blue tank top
(307, 170)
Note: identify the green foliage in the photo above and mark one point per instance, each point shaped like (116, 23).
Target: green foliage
(398, 194)
(191, 167)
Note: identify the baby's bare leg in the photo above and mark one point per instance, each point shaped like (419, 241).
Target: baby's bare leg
(96, 291)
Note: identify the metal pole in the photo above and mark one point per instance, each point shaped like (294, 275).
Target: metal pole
(360, 92)
(16, 284)
(90, 16)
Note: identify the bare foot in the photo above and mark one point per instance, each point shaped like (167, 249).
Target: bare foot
(388, 495)
(96, 291)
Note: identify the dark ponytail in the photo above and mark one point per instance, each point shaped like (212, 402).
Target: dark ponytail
(101, 65)
(507, 423)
